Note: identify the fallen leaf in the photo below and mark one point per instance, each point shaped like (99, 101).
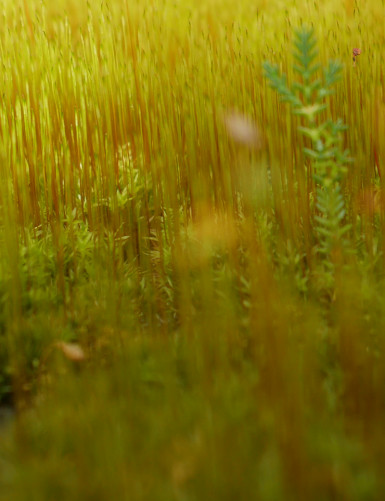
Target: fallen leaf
(243, 130)
(72, 351)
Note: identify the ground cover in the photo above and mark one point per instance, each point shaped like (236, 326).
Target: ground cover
(192, 295)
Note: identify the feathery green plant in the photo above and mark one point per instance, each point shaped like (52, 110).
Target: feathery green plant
(308, 99)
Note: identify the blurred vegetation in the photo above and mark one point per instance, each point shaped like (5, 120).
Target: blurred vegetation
(192, 293)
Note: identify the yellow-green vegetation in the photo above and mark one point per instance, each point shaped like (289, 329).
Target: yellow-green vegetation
(192, 252)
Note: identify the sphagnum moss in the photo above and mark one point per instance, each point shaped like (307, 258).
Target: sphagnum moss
(180, 263)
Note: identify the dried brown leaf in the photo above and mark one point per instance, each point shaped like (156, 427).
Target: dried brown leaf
(72, 351)
(242, 130)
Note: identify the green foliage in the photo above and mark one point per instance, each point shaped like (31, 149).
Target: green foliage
(329, 160)
(331, 207)
(174, 275)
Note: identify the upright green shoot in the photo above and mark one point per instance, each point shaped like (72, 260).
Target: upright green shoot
(308, 99)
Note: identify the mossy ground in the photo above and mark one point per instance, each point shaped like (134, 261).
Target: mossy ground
(167, 327)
